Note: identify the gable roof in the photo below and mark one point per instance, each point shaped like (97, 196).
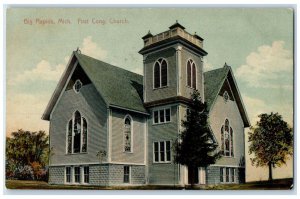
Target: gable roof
(118, 87)
(213, 82)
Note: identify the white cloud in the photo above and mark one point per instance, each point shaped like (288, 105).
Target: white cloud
(138, 70)
(267, 66)
(254, 107)
(92, 49)
(42, 71)
(206, 65)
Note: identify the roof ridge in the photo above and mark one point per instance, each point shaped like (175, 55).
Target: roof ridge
(117, 67)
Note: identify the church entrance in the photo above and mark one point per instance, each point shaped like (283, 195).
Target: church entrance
(193, 176)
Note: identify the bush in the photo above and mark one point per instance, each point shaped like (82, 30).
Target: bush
(24, 173)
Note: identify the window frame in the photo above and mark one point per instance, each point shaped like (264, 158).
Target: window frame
(77, 175)
(230, 139)
(86, 175)
(160, 73)
(68, 175)
(82, 117)
(191, 73)
(159, 115)
(77, 90)
(231, 175)
(131, 134)
(165, 151)
(127, 174)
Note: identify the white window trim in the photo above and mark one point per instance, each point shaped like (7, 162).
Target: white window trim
(186, 70)
(165, 152)
(81, 134)
(153, 74)
(159, 122)
(131, 134)
(77, 81)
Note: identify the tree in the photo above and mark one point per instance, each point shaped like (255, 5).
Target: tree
(271, 142)
(23, 149)
(196, 147)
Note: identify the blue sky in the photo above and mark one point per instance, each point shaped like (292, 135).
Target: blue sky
(257, 43)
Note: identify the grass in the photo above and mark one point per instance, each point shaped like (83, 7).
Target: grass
(282, 184)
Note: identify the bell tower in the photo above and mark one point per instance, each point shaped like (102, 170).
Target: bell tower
(173, 66)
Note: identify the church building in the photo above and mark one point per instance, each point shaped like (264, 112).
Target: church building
(113, 127)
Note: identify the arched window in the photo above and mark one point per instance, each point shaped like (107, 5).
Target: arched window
(191, 74)
(127, 134)
(160, 73)
(227, 139)
(77, 134)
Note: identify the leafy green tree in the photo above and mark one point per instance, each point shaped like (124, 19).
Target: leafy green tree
(196, 147)
(24, 148)
(271, 142)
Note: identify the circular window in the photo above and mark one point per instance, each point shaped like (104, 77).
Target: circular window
(225, 96)
(77, 86)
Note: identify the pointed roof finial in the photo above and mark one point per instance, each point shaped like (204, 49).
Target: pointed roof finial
(175, 25)
(78, 51)
(147, 35)
(225, 65)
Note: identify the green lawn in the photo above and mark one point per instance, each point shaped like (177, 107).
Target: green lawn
(283, 184)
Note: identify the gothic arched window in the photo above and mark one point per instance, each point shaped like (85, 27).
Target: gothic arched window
(160, 73)
(191, 74)
(227, 139)
(77, 134)
(127, 134)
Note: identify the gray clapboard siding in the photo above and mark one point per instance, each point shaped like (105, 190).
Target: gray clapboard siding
(91, 106)
(138, 137)
(220, 111)
(162, 173)
(166, 92)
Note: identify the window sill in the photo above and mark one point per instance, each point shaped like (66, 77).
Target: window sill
(191, 87)
(227, 156)
(129, 152)
(162, 123)
(160, 87)
(169, 162)
(76, 153)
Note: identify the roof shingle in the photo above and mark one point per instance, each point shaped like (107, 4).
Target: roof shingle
(117, 86)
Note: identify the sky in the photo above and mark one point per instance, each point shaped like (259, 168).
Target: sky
(256, 42)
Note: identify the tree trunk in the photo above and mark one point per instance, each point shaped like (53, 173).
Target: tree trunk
(270, 172)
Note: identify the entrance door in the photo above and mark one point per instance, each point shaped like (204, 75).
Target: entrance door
(193, 175)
